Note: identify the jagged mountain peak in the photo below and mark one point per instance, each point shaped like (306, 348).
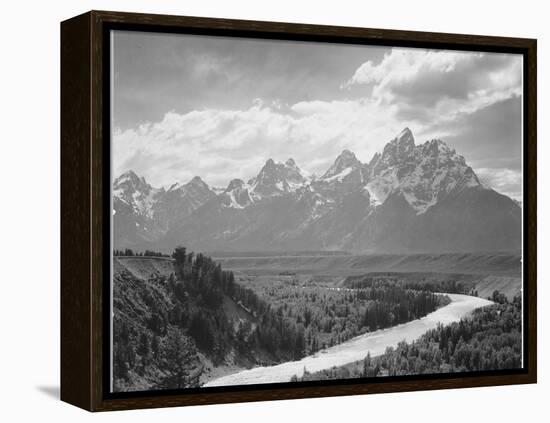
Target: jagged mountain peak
(403, 143)
(345, 162)
(271, 167)
(405, 136)
(195, 183)
(133, 190)
(128, 174)
(398, 149)
(423, 174)
(130, 178)
(135, 193)
(198, 182)
(271, 164)
(276, 178)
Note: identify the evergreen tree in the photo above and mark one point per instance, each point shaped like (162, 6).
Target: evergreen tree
(179, 257)
(179, 355)
(143, 349)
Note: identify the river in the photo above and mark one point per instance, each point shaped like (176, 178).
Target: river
(358, 347)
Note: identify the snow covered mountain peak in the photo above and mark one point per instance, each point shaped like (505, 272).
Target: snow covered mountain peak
(130, 182)
(276, 178)
(135, 192)
(236, 195)
(399, 149)
(423, 174)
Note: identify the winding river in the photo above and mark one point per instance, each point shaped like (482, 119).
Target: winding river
(358, 347)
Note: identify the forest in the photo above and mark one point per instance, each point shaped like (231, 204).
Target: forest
(425, 283)
(490, 339)
(330, 315)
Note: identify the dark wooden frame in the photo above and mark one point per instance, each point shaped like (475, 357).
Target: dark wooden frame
(83, 211)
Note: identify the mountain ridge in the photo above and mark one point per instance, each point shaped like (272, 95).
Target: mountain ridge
(408, 197)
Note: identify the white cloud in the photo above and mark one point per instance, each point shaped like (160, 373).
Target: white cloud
(403, 66)
(435, 84)
(220, 145)
(420, 89)
(181, 146)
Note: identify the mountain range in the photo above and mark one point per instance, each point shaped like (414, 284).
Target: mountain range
(408, 198)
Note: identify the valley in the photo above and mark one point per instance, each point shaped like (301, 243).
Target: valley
(273, 312)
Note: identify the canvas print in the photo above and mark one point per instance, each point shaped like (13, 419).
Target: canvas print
(288, 212)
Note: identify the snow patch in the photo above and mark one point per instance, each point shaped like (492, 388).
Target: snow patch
(374, 199)
(233, 203)
(340, 176)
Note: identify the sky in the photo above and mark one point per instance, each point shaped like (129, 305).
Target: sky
(219, 107)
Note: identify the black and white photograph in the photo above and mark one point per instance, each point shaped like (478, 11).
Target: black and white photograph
(293, 211)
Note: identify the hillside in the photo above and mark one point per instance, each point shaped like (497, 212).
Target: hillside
(174, 331)
(509, 286)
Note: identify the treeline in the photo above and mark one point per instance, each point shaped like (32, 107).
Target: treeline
(489, 340)
(329, 316)
(450, 286)
(147, 253)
